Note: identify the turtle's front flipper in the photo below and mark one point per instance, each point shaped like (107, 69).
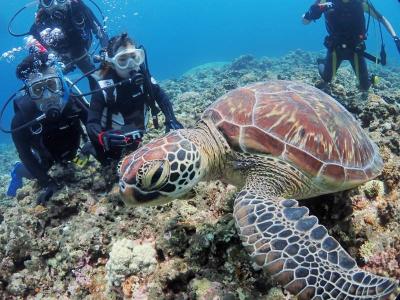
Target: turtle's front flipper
(299, 253)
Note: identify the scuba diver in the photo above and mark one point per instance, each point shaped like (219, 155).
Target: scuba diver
(123, 91)
(347, 32)
(66, 27)
(46, 127)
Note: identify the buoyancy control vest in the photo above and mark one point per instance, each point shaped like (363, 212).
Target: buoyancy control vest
(345, 22)
(113, 116)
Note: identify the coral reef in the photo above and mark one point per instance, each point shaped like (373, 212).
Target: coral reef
(85, 244)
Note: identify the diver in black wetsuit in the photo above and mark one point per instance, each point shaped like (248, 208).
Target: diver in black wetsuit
(66, 27)
(56, 137)
(128, 101)
(346, 26)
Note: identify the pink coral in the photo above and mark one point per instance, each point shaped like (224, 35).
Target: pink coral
(82, 272)
(386, 263)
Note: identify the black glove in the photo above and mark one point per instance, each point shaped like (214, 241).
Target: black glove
(48, 192)
(397, 42)
(137, 78)
(113, 138)
(172, 125)
(316, 11)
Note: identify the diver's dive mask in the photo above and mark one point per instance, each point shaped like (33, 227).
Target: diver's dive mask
(37, 88)
(56, 8)
(49, 94)
(129, 59)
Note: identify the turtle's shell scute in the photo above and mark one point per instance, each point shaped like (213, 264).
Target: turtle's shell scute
(301, 125)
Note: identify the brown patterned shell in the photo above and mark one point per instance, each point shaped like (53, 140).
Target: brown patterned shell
(303, 126)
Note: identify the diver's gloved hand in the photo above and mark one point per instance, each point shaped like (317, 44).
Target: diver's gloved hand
(113, 138)
(48, 192)
(172, 125)
(397, 42)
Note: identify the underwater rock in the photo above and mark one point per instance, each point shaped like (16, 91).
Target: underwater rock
(244, 62)
(373, 189)
(17, 286)
(171, 280)
(203, 289)
(276, 294)
(176, 237)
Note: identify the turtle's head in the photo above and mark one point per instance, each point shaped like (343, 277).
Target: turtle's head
(163, 170)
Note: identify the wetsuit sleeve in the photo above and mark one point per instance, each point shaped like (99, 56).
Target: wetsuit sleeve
(369, 9)
(315, 12)
(95, 112)
(21, 140)
(96, 26)
(163, 101)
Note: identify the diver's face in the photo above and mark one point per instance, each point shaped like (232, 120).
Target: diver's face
(125, 72)
(46, 91)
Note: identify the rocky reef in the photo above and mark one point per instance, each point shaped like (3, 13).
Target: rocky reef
(85, 244)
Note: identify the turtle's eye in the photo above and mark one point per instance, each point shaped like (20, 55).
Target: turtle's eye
(156, 176)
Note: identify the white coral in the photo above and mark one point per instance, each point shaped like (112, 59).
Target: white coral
(128, 258)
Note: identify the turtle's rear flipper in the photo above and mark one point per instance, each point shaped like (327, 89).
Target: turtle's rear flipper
(299, 253)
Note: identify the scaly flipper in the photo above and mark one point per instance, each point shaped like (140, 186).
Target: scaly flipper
(290, 245)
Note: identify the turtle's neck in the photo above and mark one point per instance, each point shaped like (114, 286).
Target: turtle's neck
(213, 147)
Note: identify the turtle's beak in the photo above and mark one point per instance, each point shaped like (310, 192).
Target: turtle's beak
(133, 197)
(127, 194)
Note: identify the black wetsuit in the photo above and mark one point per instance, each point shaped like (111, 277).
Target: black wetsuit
(40, 146)
(77, 27)
(131, 101)
(345, 23)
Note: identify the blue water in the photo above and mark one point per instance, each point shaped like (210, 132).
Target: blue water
(181, 34)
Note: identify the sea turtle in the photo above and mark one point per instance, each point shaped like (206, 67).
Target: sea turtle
(277, 141)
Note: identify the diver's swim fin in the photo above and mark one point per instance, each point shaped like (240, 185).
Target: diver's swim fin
(321, 66)
(374, 80)
(16, 179)
(81, 160)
